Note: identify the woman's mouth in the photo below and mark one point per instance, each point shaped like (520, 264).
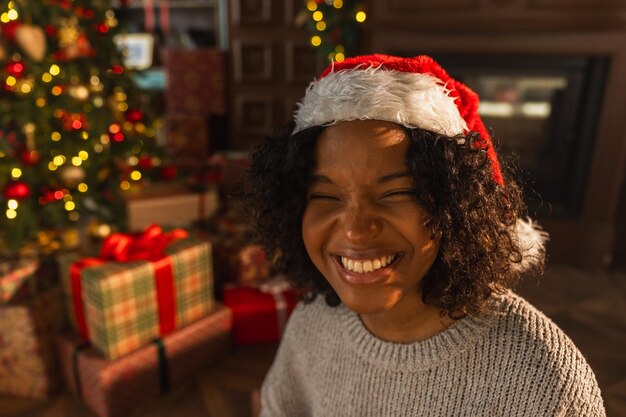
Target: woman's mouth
(364, 270)
(361, 266)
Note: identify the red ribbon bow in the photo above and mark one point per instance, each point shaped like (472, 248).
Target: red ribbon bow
(124, 247)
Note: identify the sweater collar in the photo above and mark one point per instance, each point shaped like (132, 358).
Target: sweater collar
(421, 355)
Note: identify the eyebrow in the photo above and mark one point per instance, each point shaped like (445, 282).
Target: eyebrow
(317, 178)
(390, 177)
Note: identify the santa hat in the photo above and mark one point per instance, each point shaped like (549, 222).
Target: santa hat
(412, 92)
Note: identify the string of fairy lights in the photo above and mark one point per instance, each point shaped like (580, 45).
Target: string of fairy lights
(75, 137)
(334, 26)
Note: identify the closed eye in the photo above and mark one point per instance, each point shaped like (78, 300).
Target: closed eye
(318, 196)
(399, 192)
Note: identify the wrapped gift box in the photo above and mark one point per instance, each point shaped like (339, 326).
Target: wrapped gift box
(122, 305)
(14, 278)
(116, 388)
(190, 140)
(238, 261)
(28, 366)
(260, 313)
(169, 204)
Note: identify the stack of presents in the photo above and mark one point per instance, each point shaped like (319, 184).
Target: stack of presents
(138, 318)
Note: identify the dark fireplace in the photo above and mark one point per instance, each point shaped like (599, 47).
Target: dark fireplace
(543, 112)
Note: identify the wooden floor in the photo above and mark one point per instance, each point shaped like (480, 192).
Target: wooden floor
(589, 307)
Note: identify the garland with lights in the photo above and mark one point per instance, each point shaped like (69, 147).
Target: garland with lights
(334, 26)
(75, 130)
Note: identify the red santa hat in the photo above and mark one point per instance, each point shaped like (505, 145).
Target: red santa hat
(413, 92)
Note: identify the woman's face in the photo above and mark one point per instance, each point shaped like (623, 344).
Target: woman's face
(362, 226)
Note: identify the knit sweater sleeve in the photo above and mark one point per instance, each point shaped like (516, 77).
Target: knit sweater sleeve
(587, 399)
(281, 394)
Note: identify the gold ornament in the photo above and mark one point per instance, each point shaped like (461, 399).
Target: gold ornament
(99, 230)
(29, 132)
(104, 174)
(68, 33)
(70, 239)
(31, 40)
(72, 41)
(71, 175)
(79, 92)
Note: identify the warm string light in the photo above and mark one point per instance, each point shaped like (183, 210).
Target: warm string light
(43, 81)
(330, 38)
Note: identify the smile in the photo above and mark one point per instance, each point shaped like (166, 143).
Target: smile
(363, 266)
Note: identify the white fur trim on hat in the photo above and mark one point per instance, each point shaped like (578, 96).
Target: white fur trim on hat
(532, 240)
(409, 99)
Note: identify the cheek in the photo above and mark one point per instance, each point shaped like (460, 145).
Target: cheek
(310, 234)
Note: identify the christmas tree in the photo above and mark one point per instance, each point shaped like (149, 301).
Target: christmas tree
(74, 128)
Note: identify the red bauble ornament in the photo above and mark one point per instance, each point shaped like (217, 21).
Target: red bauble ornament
(169, 172)
(8, 30)
(117, 137)
(134, 115)
(51, 30)
(74, 121)
(63, 3)
(16, 190)
(145, 162)
(15, 68)
(30, 157)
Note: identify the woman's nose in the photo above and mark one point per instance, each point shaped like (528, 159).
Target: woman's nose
(360, 223)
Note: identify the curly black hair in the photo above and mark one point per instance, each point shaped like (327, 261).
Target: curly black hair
(471, 215)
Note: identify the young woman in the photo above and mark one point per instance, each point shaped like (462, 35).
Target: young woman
(385, 202)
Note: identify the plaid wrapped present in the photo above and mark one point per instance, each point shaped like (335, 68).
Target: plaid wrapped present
(116, 388)
(260, 313)
(141, 287)
(28, 366)
(13, 277)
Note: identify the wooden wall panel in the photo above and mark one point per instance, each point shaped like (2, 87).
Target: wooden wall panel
(301, 62)
(271, 66)
(400, 6)
(572, 5)
(476, 16)
(252, 60)
(255, 114)
(246, 12)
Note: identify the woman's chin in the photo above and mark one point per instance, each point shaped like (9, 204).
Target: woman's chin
(371, 304)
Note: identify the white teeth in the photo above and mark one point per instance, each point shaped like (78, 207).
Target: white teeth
(368, 265)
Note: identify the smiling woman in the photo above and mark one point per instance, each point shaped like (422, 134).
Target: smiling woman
(362, 214)
(386, 197)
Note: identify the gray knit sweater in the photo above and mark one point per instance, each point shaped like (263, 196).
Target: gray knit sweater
(511, 362)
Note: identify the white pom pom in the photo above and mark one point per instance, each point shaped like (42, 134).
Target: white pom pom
(532, 239)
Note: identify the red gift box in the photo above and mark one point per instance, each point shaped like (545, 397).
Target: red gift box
(116, 388)
(260, 313)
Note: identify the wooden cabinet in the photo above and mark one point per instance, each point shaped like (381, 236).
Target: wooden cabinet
(271, 65)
